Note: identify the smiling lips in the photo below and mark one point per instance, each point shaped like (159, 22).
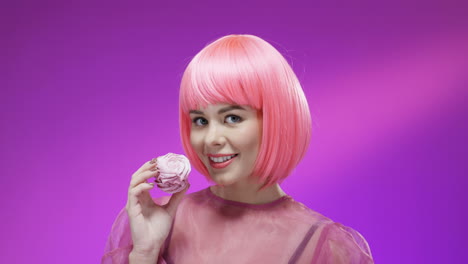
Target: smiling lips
(220, 161)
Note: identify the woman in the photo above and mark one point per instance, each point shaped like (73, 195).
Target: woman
(245, 125)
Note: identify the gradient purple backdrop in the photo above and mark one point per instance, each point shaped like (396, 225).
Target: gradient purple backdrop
(89, 93)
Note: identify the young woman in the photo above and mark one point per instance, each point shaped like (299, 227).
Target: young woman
(245, 124)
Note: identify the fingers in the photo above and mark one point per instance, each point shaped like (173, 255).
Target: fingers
(138, 184)
(144, 173)
(146, 166)
(138, 189)
(174, 201)
(136, 192)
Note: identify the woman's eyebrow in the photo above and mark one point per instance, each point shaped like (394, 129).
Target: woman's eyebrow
(196, 112)
(229, 108)
(222, 110)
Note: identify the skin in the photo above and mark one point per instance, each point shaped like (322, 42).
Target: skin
(150, 223)
(217, 129)
(231, 129)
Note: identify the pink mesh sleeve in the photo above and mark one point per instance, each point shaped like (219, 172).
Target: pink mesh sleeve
(342, 244)
(119, 243)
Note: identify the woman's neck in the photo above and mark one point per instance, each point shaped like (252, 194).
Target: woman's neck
(248, 192)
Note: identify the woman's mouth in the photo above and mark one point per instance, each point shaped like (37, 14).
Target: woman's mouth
(221, 162)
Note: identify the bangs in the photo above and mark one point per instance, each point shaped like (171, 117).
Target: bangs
(223, 73)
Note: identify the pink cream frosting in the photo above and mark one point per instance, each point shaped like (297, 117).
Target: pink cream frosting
(173, 172)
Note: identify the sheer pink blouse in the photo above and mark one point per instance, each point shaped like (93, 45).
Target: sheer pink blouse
(208, 229)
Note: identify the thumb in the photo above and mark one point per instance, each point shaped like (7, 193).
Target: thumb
(175, 200)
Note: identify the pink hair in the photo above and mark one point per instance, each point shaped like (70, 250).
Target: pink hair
(246, 70)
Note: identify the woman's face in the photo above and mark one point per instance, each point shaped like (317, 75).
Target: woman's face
(226, 138)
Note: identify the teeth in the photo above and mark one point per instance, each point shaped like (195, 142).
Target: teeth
(222, 159)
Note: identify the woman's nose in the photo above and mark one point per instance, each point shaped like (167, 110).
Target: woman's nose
(214, 136)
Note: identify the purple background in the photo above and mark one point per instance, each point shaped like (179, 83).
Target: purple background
(89, 93)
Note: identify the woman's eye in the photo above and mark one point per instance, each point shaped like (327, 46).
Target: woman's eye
(198, 121)
(233, 119)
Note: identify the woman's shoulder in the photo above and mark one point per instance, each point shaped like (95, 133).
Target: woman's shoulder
(336, 242)
(342, 244)
(339, 232)
(300, 212)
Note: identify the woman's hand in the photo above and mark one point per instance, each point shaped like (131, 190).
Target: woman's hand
(150, 223)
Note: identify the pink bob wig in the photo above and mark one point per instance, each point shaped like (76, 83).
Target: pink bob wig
(246, 70)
